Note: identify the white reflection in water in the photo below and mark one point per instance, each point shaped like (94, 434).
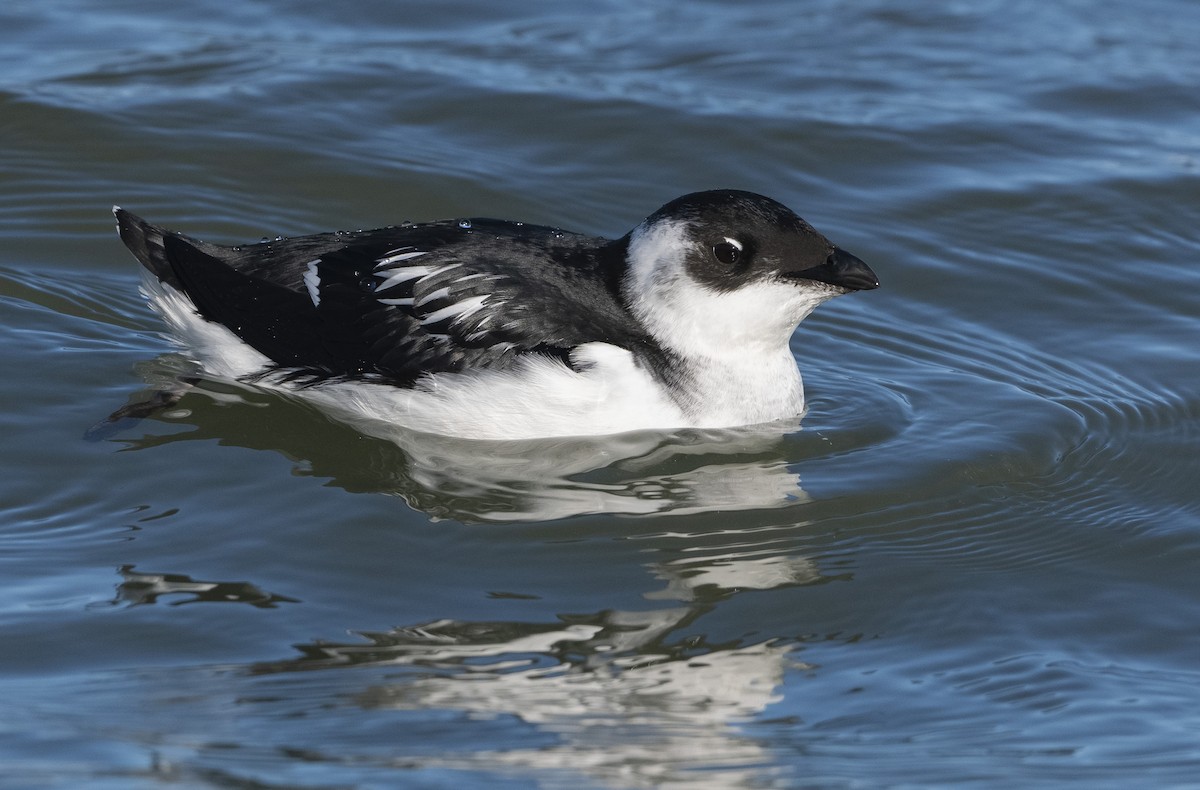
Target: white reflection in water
(628, 698)
(633, 474)
(643, 721)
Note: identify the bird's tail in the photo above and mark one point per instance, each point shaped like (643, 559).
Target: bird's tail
(145, 241)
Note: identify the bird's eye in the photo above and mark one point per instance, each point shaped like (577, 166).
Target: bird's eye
(728, 251)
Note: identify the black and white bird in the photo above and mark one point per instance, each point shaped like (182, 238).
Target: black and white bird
(490, 329)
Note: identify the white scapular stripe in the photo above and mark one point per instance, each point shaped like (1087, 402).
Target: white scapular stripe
(397, 255)
(457, 310)
(403, 275)
(312, 281)
(433, 296)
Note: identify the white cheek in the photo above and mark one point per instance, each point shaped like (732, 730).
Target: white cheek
(695, 320)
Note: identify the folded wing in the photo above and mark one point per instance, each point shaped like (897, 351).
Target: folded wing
(400, 302)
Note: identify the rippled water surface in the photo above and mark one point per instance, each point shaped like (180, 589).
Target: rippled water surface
(974, 562)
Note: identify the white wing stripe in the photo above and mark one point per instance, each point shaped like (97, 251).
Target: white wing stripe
(312, 281)
(437, 293)
(403, 275)
(455, 311)
(476, 276)
(395, 256)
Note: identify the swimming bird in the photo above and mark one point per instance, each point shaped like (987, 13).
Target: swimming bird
(492, 329)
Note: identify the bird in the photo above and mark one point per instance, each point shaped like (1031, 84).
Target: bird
(501, 330)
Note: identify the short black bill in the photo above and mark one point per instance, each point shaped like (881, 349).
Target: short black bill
(843, 270)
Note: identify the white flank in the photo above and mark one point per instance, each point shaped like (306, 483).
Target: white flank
(539, 397)
(220, 351)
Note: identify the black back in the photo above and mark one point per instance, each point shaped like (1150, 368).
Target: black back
(325, 306)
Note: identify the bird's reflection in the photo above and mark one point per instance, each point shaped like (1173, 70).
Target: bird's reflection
(638, 698)
(139, 588)
(616, 695)
(632, 697)
(537, 480)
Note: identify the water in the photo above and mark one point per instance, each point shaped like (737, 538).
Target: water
(972, 564)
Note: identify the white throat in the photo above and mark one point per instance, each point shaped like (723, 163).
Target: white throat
(733, 345)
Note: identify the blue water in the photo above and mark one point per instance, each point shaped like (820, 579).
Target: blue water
(972, 563)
